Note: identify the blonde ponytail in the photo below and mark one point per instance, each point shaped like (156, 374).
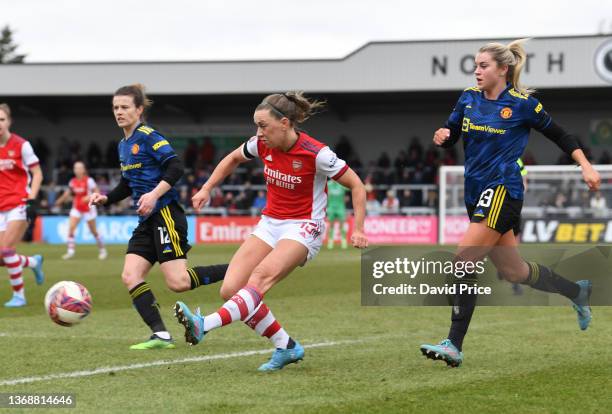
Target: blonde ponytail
(514, 56)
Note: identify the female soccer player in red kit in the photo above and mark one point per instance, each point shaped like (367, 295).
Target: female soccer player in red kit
(81, 187)
(18, 191)
(296, 169)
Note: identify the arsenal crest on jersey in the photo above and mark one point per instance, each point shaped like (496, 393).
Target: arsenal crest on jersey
(11, 153)
(297, 165)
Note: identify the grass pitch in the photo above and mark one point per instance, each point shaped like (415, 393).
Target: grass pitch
(365, 359)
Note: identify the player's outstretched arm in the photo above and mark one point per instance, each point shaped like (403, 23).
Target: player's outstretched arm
(221, 171)
(570, 145)
(358, 193)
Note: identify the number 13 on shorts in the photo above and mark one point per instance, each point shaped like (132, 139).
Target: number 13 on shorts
(485, 198)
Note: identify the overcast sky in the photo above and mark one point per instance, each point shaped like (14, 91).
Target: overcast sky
(113, 30)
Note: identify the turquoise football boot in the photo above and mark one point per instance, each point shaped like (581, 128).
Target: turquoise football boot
(16, 302)
(282, 357)
(38, 272)
(581, 304)
(193, 323)
(444, 351)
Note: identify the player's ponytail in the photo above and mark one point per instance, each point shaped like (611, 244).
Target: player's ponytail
(514, 71)
(291, 105)
(138, 94)
(514, 56)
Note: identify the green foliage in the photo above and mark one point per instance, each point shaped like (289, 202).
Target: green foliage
(8, 48)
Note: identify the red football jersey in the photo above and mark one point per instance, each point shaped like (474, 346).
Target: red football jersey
(81, 188)
(16, 157)
(296, 180)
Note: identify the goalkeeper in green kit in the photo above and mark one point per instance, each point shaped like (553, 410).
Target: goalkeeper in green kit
(336, 212)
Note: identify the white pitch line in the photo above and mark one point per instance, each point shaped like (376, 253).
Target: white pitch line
(105, 370)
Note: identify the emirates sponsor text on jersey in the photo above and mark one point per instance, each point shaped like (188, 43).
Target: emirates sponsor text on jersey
(280, 179)
(7, 164)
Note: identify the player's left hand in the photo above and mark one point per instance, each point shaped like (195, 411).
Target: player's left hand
(591, 178)
(146, 204)
(359, 240)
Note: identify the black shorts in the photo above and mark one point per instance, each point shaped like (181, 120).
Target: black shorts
(162, 236)
(501, 211)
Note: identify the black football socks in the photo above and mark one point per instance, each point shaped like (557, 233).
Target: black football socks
(462, 311)
(205, 275)
(542, 278)
(147, 307)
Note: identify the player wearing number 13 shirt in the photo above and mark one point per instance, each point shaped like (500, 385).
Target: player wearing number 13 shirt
(291, 229)
(494, 120)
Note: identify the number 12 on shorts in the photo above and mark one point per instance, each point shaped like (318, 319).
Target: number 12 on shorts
(164, 237)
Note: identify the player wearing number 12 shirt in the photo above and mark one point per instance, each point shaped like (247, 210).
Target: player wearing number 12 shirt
(494, 120)
(291, 229)
(149, 170)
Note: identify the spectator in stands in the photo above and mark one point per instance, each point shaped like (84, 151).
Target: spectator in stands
(450, 157)
(259, 202)
(344, 149)
(432, 199)
(184, 196)
(63, 174)
(42, 151)
(208, 151)
(416, 148)
(202, 177)
(401, 162)
(405, 198)
(103, 185)
(372, 203)
(242, 202)
(94, 155)
(384, 161)
(191, 154)
(598, 205)
(560, 200)
(52, 192)
(111, 155)
(356, 163)
(413, 157)
(390, 204)
(216, 198)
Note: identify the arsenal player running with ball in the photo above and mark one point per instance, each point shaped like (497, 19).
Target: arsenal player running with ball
(17, 161)
(290, 232)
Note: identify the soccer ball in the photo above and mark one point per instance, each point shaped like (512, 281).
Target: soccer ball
(67, 303)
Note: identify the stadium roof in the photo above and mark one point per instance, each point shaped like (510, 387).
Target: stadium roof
(554, 62)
